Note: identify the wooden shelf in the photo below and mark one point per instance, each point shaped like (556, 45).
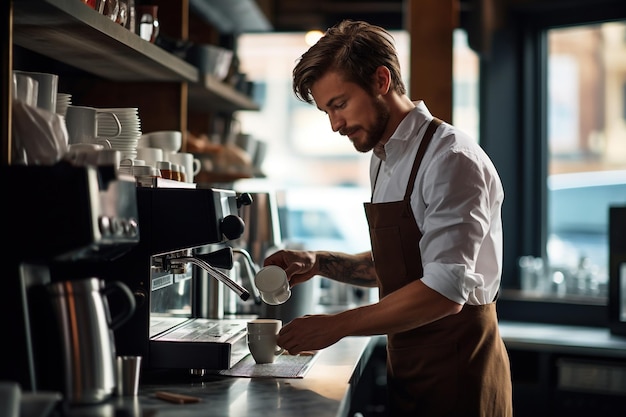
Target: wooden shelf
(73, 33)
(212, 94)
(230, 16)
(219, 177)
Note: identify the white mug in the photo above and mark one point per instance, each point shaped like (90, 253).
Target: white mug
(25, 89)
(82, 124)
(188, 160)
(262, 334)
(47, 89)
(273, 285)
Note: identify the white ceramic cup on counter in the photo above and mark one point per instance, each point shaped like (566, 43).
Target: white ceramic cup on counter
(188, 160)
(262, 335)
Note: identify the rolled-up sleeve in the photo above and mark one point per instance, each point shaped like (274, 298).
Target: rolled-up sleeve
(461, 198)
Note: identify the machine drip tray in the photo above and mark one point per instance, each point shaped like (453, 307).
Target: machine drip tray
(207, 344)
(285, 366)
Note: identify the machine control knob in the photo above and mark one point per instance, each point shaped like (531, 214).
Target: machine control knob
(129, 227)
(140, 297)
(244, 199)
(117, 227)
(133, 228)
(104, 224)
(125, 227)
(232, 227)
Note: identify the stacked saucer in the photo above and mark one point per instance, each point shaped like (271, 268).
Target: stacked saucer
(126, 141)
(63, 100)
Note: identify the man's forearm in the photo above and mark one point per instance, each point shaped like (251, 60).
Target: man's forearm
(351, 269)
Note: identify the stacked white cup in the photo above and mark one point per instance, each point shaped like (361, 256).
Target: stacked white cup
(47, 88)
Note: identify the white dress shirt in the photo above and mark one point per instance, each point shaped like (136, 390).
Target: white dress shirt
(456, 202)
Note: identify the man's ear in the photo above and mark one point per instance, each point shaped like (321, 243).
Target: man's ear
(382, 80)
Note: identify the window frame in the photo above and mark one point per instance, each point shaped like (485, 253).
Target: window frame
(513, 131)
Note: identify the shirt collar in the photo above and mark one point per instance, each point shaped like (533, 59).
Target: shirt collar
(404, 133)
(379, 151)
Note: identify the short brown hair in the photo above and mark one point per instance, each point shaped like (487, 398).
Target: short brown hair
(353, 48)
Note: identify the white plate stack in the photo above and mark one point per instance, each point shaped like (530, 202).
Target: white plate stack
(63, 100)
(127, 140)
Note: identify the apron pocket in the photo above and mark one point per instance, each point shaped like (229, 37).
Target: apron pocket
(425, 375)
(388, 254)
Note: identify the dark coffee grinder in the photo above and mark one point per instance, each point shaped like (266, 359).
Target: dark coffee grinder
(58, 214)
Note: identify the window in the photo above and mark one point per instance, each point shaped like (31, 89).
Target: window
(586, 158)
(551, 118)
(465, 80)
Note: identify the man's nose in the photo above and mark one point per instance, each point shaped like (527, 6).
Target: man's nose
(336, 122)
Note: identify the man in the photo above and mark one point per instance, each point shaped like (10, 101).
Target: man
(435, 230)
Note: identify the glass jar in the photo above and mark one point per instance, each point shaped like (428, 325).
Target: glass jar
(148, 22)
(111, 9)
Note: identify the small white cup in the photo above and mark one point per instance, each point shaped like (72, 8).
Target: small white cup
(150, 155)
(273, 285)
(188, 160)
(138, 168)
(262, 334)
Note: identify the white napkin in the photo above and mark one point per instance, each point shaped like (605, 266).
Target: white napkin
(39, 136)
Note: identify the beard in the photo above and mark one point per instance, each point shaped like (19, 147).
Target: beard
(374, 134)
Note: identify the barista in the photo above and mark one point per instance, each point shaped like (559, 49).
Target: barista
(435, 229)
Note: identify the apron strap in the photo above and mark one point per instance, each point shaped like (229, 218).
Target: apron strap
(376, 180)
(432, 126)
(428, 135)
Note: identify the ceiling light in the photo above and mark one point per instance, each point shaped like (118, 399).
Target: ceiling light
(312, 36)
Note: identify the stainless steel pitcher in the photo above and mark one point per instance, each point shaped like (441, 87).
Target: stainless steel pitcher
(262, 232)
(86, 331)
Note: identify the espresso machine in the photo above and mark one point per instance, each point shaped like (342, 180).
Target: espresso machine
(182, 250)
(165, 240)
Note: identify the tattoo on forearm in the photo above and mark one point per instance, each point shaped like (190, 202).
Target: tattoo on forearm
(349, 269)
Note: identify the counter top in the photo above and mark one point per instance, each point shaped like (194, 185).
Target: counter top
(325, 390)
(596, 341)
(328, 386)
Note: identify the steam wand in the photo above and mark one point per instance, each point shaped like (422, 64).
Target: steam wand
(251, 270)
(215, 273)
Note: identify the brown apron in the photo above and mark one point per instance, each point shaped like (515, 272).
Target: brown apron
(456, 366)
